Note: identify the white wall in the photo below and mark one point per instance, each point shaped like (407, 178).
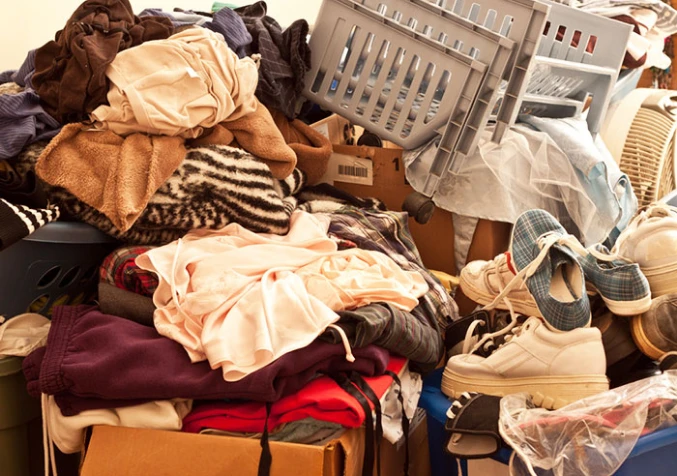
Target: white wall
(28, 24)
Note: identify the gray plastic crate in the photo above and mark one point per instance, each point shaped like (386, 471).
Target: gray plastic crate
(475, 40)
(526, 19)
(58, 264)
(387, 76)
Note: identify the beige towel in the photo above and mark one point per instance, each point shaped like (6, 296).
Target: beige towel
(115, 175)
(177, 86)
(257, 134)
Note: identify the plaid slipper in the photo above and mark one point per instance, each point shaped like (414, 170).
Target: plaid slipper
(19, 221)
(472, 425)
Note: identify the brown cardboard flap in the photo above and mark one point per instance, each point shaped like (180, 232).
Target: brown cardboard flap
(435, 239)
(116, 451)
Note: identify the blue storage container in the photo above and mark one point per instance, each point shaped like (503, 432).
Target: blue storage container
(58, 264)
(654, 454)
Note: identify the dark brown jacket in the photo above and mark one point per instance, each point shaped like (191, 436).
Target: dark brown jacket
(70, 72)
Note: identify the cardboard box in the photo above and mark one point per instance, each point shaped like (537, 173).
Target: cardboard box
(116, 451)
(336, 128)
(435, 240)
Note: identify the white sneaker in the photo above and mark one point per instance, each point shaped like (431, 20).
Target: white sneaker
(555, 368)
(650, 240)
(482, 281)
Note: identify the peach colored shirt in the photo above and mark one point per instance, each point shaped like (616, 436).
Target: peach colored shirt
(241, 299)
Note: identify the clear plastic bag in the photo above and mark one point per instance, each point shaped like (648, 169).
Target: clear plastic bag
(527, 170)
(591, 437)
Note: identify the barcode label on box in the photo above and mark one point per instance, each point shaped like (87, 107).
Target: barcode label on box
(349, 169)
(353, 171)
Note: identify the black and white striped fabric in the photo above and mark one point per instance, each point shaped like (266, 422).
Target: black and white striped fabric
(213, 186)
(19, 221)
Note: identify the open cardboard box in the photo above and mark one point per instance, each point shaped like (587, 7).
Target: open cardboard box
(117, 451)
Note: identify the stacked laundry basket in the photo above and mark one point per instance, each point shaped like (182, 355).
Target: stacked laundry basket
(411, 71)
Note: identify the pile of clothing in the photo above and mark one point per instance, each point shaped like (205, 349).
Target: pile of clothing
(243, 298)
(149, 126)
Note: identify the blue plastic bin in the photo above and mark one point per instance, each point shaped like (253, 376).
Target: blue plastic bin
(654, 454)
(58, 264)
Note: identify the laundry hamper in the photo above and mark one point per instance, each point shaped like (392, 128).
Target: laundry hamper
(17, 410)
(641, 134)
(58, 264)
(578, 57)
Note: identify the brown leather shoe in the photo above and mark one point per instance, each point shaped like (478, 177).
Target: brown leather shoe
(616, 336)
(655, 331)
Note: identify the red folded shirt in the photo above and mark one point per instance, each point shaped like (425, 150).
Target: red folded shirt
(321, 399)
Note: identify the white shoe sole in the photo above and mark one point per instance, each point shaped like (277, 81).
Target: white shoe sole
(483, 298)
(661, 279)
(628, 308)
(550, 392)
(621, 308)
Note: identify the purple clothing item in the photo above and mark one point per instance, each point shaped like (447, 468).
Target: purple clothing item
(23, 75)
(92, 355)
(22, 118)
(231, 26)
(224, 21)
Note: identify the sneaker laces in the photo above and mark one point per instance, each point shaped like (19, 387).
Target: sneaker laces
(49, 458)
(510, 331)
(467, 342)
(545, 243)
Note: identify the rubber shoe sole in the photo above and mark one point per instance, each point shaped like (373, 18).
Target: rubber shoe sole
(642, 341)
(520, 306)
(621, 308)
(549, 392)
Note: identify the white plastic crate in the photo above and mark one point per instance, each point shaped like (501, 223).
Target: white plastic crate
(579, 56)
(525, 21)
(392, 75)
(475, 40)
(362, 46)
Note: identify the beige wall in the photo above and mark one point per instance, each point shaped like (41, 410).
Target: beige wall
(28, 24)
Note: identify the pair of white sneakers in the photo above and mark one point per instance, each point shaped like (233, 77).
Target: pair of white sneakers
(557, 368)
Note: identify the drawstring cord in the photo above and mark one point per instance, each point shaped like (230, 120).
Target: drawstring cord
(47, 440)
(346, 343)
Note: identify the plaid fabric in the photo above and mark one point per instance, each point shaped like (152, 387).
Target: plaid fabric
(285, 57)
(615, 280)
(120, 269)
(524, 249)
(416, 335)
(325, 198)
